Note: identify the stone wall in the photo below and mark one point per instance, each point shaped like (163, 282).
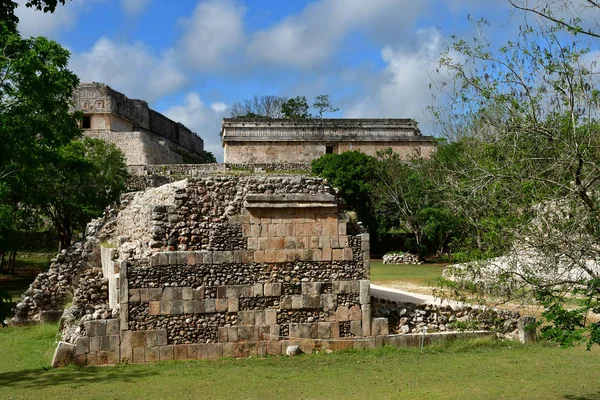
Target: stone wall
(144, 135)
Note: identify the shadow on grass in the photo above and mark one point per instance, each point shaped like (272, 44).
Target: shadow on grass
(39, 378)
(592, 396)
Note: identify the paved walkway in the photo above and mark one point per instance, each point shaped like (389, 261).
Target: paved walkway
(382, 292)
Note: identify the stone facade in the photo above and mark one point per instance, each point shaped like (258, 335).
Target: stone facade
(144, 135)
(267, 141)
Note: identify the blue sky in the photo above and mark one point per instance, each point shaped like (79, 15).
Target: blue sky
(191, 59)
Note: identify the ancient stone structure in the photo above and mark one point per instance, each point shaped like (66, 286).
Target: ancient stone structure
(144, 135)
(268, 141)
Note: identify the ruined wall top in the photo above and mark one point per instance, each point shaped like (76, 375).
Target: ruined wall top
(335, 129)
(98, 98)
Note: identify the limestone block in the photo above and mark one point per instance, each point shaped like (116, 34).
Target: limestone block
(151, 338)
(191, 258)
(104, 343)
(138, 339)
(95, 343)
(324, 330)
(285, 303)
(198, 306)
(180, 352)
(126, 347)
(177, 307)
(246, 318)
(356, 328)
(198, 294)
(188, 306)
(91, 359)
(113, 358)
(292, 350)
(100, 327)
(311, 287)
(312, 301)
(238, 256)
(103, 358)
(328, 301)
(82, 345)
(166, 353)
(207, 257)
(232, 334)
(139, 355)
(187, 293)
(257, 290)
(221, 305)
(144, 295)
(347, 254)
(355, 313)
(337, 255)
(366, 319)
(90, 328)
(341, 314)
(274, 332)
(342, 228)
(162, 337)
(274, 347)
(327, 254)
(294, 330)
(259, 256)
(154, 308)
(229, 350)
(365, 292)
(261, 349)
(246, 349)
(233, 305)
(182, 257)
(152, 354)
(154, 294)
(172, 256)
(297, 302)
(379, 326)
(134, 295)
(210, 306)
(214, 350)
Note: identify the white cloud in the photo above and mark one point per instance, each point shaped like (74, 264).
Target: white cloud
(205, 121)
(134, 7)
(402, 89)
(129, 68)
(214, 31)
(37, 23)
(310, 37)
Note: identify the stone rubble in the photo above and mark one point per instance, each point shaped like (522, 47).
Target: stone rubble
(402, 258)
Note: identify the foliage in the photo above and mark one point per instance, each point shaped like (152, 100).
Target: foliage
(267, 106)
(295, 108)
(322, 104)
(7, 9)
(523, 167)
(85, 177)
(5, 302)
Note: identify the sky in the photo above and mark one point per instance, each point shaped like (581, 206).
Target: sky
(191, 59)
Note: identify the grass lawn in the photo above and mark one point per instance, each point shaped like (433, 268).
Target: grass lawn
(462, 370)
(422, 275)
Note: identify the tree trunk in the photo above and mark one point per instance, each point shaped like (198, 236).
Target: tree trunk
(2, 270)
(12, 261)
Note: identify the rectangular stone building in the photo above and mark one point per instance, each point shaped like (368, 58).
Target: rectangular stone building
(144, 135)
(270, 141)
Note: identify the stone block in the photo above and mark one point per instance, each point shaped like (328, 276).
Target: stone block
(297, 302)
(134, 295)
(154, 294)
(238, 256)
(103, 358)
(355, 313)
(272, 289)
(365, 292)
(172, 256)
(138, 339)
(232, 333)
(198, 306)
(290, 243)
(192, 352)
(191, 258)
(139, 355)
(166, 353)
(274, 332)
(379, 326)
(344, 243)
(182, 257)
(259, 318)
(168, 294)
(328, 301)
(247, 256)
(104, 343)
(337, 255)
(366, 319)
(151, 338)
(255, 230)
(91, 359)
(252, 243)
(114, 341)
(274, 347)
(259, 256)
(317, 255)
(356, 328)
(247, 333)
(294, 330)
(162, 337)
(112, 327)
(126, 347)
(261, 349)
(214, 350)
(82, 345)
(312, 301)
(100, 327)
(207, 257)
(144, 295)
(154, 308)
(90, 328)
(270, 317)
(257, 290)
(324, 330)
(229, 350)
(341, 314)
(342, 228)
(246, 349)
(326, 254)
(335, 242)
(198, 293)
(314, 240)
(285, 303)
(177, 307)
(187, 293)
(188, 306)
(180, 352)
(113, 358)
(210, 306)
(221, 305)
(233, 305)
(246, 318)
(347, 254)
(162, 259)
(152, 354)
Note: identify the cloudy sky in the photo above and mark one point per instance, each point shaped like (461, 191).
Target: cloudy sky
(191, 59)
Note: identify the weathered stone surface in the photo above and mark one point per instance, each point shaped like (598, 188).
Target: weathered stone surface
(63, 355)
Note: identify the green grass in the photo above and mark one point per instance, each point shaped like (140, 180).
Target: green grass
(478, 369)
(423, 275)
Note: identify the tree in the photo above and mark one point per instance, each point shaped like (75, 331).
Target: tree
(323, 104)
(85, 177)
(533, 153)
(267, 106)
(7, 9)
(295, 108)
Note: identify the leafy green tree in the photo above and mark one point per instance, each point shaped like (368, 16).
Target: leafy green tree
(86, 176)
(529, 173)
(295, 108)
(322, 104)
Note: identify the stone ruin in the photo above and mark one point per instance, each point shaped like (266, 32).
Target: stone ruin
(221, 265)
